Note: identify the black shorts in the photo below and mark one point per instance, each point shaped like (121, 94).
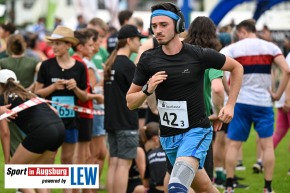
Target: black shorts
(45, 138)
(142, 113)
(85, 129)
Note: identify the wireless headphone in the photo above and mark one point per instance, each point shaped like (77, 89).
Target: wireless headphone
(180, 23)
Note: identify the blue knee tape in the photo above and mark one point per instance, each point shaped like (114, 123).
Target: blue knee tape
(176, 188)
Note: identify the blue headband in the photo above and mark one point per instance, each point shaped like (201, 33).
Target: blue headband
(167, 13)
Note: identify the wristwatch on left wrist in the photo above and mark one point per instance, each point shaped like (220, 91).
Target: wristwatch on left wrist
(145, 90)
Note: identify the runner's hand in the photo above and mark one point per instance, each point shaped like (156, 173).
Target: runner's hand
(60, 84)
(226, 114)
(155, 80)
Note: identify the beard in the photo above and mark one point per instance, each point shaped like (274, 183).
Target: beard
(162, 42)
(165, 42)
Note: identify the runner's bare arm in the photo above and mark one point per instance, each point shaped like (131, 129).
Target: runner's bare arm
(5, 140)
(227, 112)
(135, 96)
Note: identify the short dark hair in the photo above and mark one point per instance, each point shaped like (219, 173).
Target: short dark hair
(9, 27)
(166, 6)
(83, 35)
(249, 25)
(124, 15)
(93, 33)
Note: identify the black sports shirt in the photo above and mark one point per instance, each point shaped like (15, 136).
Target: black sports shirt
(184, 83)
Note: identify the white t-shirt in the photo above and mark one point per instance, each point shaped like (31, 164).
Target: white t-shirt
(256, 56)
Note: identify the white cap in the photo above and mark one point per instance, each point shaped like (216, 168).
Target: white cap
(5, 74)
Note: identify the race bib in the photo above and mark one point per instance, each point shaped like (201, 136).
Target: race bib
(62, 111)
(173, 114)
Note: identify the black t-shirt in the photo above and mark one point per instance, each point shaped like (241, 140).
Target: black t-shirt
(184, 83)
(155, 167)
(112, 42)
(50, 72)
(117, 114)
(33, 118)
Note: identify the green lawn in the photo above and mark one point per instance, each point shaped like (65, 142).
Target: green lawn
(281, 181)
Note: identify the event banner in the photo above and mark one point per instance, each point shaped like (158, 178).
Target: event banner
(51, 176)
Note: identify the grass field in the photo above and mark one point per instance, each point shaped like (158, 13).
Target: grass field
(281, 181)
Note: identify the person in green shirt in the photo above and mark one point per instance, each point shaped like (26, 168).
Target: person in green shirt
(102, 28)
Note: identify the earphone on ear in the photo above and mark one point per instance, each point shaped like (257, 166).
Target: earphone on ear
(180, 23)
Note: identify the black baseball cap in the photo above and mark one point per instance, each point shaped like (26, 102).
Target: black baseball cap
(129, 31)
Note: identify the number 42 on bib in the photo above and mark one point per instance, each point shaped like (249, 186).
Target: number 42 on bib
(173, 114)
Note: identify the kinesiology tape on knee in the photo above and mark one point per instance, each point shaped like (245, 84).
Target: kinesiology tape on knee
(181, 177)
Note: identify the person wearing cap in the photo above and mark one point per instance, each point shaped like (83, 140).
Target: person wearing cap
(43, 128)
(63, 79)
(123, 17)
(175, 72)
(121, 124)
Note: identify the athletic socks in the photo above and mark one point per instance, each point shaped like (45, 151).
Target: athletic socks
(268, 185)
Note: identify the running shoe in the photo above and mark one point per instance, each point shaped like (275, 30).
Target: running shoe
(289, 172)
(236, 184)
(238, 178)
(240, 167)
(258, 168)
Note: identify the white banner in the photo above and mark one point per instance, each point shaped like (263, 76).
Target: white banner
(51, 176)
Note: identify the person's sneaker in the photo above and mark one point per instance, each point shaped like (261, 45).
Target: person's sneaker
(219, 183)
(289, 172)
(240, 166)
(229, 190)
(236, 184)
(266, 191)
(258, 168)
(238, 178)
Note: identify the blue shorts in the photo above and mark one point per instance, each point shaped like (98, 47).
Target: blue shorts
(244, 115)
(193, 143)
(71, 136)
(98, 126)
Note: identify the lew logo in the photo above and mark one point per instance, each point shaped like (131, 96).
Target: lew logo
(84, 176)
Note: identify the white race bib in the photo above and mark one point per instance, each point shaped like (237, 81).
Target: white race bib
(173, 114)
